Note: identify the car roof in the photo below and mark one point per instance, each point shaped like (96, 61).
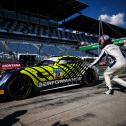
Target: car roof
(55, 59)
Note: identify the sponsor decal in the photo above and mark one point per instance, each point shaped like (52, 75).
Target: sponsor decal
(42, 84)
(57, 73)
(10, 66)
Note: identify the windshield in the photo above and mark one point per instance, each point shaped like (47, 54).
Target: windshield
(46, 63)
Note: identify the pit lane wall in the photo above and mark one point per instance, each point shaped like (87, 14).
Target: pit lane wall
(120, 41)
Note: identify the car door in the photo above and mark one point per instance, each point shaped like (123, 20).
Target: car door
(69, 66)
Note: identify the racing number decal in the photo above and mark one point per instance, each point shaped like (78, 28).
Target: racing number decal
(57, 73)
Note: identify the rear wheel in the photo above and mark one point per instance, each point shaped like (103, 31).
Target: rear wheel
(19, 87)
(90, 77)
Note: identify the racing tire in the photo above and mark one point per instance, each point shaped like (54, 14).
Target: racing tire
(19, 87)
(90, 77)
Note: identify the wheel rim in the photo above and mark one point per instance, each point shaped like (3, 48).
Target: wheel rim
(19, 88)
(90, 79)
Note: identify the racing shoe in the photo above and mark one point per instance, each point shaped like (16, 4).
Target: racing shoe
(109, 92)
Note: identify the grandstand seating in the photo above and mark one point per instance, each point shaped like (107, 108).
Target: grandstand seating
(20, 25)
(50, 50)
(73, 52)
(22, 48)
(1, 48)
(46, 49)
(25, 28)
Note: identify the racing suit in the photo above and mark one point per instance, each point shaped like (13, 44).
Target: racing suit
(116, 67)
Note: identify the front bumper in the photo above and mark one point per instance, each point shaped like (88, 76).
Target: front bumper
(3, 84)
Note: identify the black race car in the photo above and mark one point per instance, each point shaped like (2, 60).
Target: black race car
(51, 73)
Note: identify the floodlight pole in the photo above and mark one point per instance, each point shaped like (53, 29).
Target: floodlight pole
(99, 35)
(101, 32)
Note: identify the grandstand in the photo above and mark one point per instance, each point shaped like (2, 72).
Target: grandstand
(12, 27)
(91, 26)
(33, 28)
(23, 31)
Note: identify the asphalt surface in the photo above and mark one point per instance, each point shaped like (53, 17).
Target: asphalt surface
(79, 106)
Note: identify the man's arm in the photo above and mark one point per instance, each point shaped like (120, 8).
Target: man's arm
(102, 54)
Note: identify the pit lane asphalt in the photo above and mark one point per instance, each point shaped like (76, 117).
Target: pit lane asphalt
(79, 106)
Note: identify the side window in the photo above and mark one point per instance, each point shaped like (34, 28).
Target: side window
(71, 61)
(45, 63)
(68, 60)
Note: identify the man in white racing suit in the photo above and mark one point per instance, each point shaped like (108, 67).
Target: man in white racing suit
(116, 67)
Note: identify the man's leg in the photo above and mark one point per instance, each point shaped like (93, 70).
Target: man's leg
(119, 81)
(108, 83)
(113, 71)
(110, 71)
(107, 80)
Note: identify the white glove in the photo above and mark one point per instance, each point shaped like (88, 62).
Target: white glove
(90, 65)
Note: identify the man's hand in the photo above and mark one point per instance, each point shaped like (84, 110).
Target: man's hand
(90, 65)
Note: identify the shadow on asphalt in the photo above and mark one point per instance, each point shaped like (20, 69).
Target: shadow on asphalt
(65, 89)
(116, 87)
(120, 88)
(5, 99)
(11, 119)
(59, 124)
(69, 89)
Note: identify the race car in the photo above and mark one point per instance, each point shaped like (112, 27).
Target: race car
(50, 73)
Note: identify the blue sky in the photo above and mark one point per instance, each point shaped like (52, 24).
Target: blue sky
(112, 11)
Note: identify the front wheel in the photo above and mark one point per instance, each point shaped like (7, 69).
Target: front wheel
(19, 87)
(90, 77)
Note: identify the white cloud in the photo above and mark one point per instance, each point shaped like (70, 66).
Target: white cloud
(117, 19)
